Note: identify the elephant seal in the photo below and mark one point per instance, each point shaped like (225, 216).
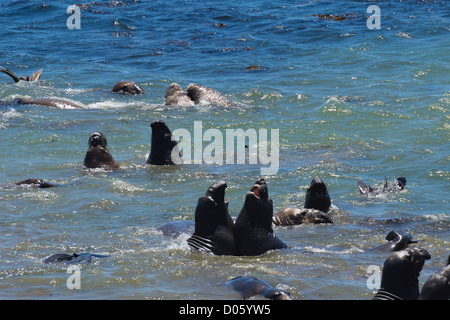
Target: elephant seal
(316, 207)
(397, 185)
(213, 224)
(98, 155)
(51, 102)
(250, 286)
(204, 95)
(253, 231)
(164, 149)
(34, 77)
(295, 216)
(400, 277)
(36, 183)
(437, 287)
(177, 228)
(128, 87)
(317, 196)
(396, 241)
(73, 258)
(175, 96)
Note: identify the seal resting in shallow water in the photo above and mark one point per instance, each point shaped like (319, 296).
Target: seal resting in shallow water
(250, 286)
(253, 231)
(51, 102)
(400, 277)
(295, 216)
(129, 87)
(213, 224)
(34, 77)
(98, 155)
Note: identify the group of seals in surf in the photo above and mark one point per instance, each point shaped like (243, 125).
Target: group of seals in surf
(251, 233)
(195, 94)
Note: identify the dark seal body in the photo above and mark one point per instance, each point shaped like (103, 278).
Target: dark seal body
(250, 286)
(213, 224)
(36, 183)
(437, 287)
(400, 277)
(164, 149)
(98, 155)
(317, 196)
(127, 87)
(396, 241)
(253, 227)
(73, 258)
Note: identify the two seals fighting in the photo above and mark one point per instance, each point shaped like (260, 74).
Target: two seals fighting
(195, 94)
(250, 235)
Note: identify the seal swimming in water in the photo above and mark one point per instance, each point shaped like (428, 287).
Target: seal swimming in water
(51, 102)
(437, 287)
(73, 258)
(98, 155)
(316, 207)
(34, 77)
(213, 224)
(177, 228)
(129, 87)
(400, 277)
(253, 231)
(36, 183)
(397, 185)
(195, 94)
(295, 216)
(396, 241)
(164, 149)
(250, 286)
(175, 96)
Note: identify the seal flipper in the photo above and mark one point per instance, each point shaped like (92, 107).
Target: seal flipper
(35, 76)
(11, 74)
(385, 184)
(363, 188)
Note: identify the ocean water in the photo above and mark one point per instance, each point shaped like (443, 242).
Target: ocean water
(349, 102)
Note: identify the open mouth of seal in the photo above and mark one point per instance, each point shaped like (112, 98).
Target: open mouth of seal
(255, 191)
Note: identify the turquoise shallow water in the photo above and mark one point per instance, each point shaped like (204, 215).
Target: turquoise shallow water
(349, 103)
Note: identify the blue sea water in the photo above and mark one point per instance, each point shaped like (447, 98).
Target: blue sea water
(349, 102)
